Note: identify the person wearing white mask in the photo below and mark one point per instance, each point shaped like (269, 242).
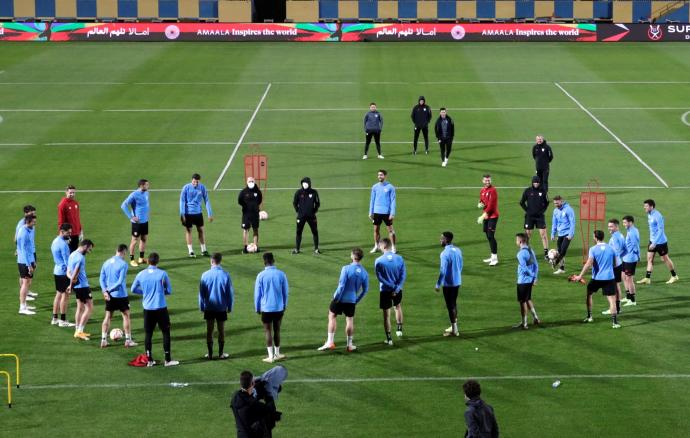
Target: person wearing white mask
(250, 199)
(306, 203)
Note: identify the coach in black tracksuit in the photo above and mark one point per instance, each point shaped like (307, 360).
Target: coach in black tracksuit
(543, 155)
(421, 116)
(535, 202)
(306, 203)
(250, 200)
(445, 131)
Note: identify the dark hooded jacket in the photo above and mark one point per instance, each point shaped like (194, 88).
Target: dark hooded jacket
(421, 114)
(480, 420)
(306, 201)
(534, 201)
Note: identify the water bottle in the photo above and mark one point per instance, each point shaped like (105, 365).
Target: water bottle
(556, 384)
(178, 385)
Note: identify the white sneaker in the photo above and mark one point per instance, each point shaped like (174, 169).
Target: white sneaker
(588, 319)
(624, 300)
(351, 348)
(630, 303)
(615, 326)
(374, 249)
(487, 260)
(278, 357)
(606, 312)
(399, 333)
(53, 321)
(224, 356)
(151, 364)
(451, 333)
(380, 157)
(172, 363)
(130, 343)
(26, 312)
(493, 262)
(444, 163)
(326, 346)
(31, 307)
(449, 329)
(364, 157)
(268, 359)
(32, 294)
(388, 342)
(66, 324)
(104, 343)
(30, 298)
(558, 272)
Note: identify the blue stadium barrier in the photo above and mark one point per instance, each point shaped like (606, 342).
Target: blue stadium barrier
(45, 8)
(563, 8)
(524, 9)
(368, 9)
(407, 9)
(486, 8)
(603, 9)
(208, 8)
(167, 9)
(127, 8)
(446, 9)
(328, 9)
(6, 8)
(86, 8)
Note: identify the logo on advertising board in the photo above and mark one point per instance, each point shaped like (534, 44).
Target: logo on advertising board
(457, 32)
(172, 32)
(654, 32)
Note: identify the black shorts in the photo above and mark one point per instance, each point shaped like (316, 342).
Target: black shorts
(117, 304)
(532, 222)
(618, 273)
(629, 268)
(159, 317)
(342, 308)
(385, 218)
(61, 283)
(388, 299)
(450, 295)
(83, 294)
(490, 225)
(24, 271)
(524, 292)
(661, 249)
(73, 243)
(250, 220)
(608, 287)
(140, 229)
(210, 315)
(193, 220)
(271, 317)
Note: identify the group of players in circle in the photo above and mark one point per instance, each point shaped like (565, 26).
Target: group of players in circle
(611, 263)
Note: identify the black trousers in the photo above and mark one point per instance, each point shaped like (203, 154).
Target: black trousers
(314, 231)
(543, 175)
(377, 140)
(160, 318)
(425, 131)
(563, 243)
(445, 145)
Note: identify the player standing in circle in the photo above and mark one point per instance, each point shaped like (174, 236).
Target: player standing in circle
(658, 244)
(216, 298)
(373, 125)
(60, 250)
(527, 274)
(445, 131)
(79, 283)
(391, 273)
(488, 201)
(543, 155)
(421, 116)
(113, 280)
(26, 262)
(450, 279)
(353, 285)
(601, 259)
(68, 213)
(136, 208)
(250, 198)
(191, 197)
(617, 244)
(630, 259)
(535, 202)
(270, 300)
(382, 209)
(562, 225)
(29, 210)
(306, 203)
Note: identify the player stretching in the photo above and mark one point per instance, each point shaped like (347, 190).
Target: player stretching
(563, 226)
(353, 285)
(113, 280)
(382, 209)
(488, 201)
(216, 297)
(527, 273)
(658, 244)
(60, 250)
(391, 273)
(601, 259)
(191, 197)
(630, 259)
(450, 279)
(79, 283)
(136, 208)
(617, 244)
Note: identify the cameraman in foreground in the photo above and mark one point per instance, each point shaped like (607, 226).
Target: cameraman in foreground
(254, 403)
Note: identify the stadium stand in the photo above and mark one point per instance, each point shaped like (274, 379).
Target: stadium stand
(629, 11)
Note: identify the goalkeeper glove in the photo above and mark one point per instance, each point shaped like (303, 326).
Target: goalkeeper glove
(481, 205)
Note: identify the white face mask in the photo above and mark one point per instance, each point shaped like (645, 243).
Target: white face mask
(250, 185)
(305, 185)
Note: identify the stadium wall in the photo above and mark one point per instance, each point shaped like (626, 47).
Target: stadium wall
(348, 10)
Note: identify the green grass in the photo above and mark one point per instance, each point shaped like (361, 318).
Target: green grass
(99, 77)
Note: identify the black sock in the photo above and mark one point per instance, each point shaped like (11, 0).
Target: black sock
(627, 295)
(209, 345)
(141, 254)
(54, 315)
(673, 272)
(399, 327)
(618, 306)
(388, 336)
(546, 251)
(589, 314)
(614, 319)
(632, 297)
(63, 317)
(649, 274)
(131, 256)
(221, 347)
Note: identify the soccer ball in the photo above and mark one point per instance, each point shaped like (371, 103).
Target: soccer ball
(251, 248)
(116, 334)
(263, 215)
(552, 254)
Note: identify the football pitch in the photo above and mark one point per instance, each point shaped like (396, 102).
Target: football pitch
(101, 116)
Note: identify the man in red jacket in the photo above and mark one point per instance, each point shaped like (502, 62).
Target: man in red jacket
(488, 201)
(68, 213)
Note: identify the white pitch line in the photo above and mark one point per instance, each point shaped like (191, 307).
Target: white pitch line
(191, 110)
(43, 110)
(197, 83)
(239, 142)
(384, 109)
(684, 118)
(454, 142)
(64, 83)
(173, 110)
(403, 379)
(627, 82)
(134, 143)
(637, 157)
